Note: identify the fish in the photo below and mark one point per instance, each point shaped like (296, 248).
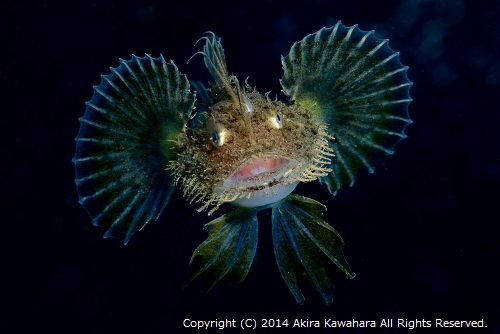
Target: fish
(145, 134)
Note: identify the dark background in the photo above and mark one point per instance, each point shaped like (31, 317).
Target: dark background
(421, 233)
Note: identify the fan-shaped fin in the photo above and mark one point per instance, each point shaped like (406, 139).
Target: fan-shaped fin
(230, 246)
(355, 83)
(305, 245)
(127, 137)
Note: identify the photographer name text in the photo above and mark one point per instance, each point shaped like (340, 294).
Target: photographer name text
(276, 323)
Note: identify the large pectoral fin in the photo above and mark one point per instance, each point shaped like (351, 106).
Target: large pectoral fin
(230, 246)
(355, 83)
(305, 245)
(126, 140)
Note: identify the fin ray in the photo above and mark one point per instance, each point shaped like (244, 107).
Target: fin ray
(355, 83)
(230, 246)
(306, 245)
(126, 140)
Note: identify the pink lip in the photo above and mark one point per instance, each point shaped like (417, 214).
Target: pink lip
(258, 167)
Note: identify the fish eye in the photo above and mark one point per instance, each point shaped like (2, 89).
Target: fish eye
(217, 138)
(277, 121)
(216, 133)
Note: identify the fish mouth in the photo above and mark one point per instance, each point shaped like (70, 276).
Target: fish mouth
(261, 172)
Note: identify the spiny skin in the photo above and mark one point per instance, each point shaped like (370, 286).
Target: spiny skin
(201, 166)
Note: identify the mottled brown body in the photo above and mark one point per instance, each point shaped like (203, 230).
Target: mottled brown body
(272, 130)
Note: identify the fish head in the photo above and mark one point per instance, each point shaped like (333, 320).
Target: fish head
(250, 151)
